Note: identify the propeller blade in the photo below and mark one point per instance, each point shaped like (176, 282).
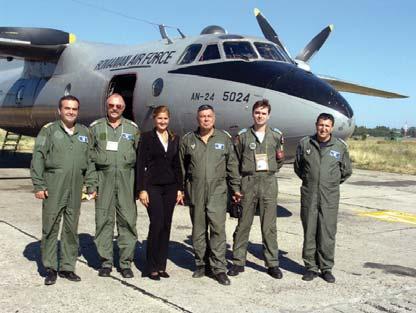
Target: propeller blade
(268, 31)
(342, 85)
(315, 44)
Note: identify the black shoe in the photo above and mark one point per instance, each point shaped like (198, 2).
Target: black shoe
(51, 276)
(222, 278)
(104, 272)
(163, 274)
(275, 272)
(69, 275)
(208, 271)
(154, 276)
(328, 277)
(199, 272)
(309, 275)
(126, 273)
(235, 270)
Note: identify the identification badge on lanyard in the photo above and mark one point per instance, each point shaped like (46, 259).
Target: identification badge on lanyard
(112, 146)
(262, 163)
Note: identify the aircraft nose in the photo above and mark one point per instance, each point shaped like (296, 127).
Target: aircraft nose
(343, 126)
(303, 84)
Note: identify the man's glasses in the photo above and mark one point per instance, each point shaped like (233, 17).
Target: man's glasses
(115, 106)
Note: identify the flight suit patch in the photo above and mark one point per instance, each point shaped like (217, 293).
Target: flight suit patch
(308, 151)
(83, 139)
(335, 154)
(127, 136)
(252, 145)
(219, 146)
(192, 146)
(102, 136)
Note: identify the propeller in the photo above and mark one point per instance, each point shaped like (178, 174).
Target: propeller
(315, 44)
(269, 32)
(306, 54)
(301, 60)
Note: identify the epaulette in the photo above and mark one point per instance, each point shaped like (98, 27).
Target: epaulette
(96, 122)
(227, 133)
(132, 123)
(305, 138)
(244, 130)
(276, 130)
(186, 134)
(47, 125)
(342, 141)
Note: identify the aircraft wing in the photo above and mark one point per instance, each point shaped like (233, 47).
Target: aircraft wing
(345, 86)
(39, 44)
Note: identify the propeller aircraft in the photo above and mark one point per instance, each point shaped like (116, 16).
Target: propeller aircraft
(228, 71)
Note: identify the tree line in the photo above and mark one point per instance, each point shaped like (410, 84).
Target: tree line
(383, 131)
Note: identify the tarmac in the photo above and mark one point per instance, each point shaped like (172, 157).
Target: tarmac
(375, 263)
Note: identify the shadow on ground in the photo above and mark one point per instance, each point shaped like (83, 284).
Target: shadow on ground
(284, 262)
(392, 269)
(15, 159)
(32, 253)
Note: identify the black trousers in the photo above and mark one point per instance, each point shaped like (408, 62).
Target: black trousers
(162, 200)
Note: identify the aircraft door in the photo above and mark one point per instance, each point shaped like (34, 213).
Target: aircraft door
(124, 85)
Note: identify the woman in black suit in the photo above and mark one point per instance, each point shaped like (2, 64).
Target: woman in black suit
(159, 187)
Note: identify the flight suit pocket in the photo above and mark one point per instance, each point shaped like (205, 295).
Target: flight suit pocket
(304, 197)
(188, 191)
(220, 188)
(83, 157)
(100, 160)
(248, 164)
(53, 158)
(130, 159)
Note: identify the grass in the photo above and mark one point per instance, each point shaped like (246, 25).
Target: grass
(371, 154)
(384, 155)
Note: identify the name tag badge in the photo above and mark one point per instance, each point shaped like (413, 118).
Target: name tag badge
(262, 163)
(112, 146)
(219, 146)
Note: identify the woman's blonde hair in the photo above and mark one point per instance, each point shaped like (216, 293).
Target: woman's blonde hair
(164, 109)
(161, 109)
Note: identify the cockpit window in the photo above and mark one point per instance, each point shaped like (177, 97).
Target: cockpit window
(239, 50)
(211, 53)
(269, 52)
(190, 53)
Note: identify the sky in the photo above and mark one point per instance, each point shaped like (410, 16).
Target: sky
(373, 41)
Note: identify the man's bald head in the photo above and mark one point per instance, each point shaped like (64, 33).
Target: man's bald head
(115, 107)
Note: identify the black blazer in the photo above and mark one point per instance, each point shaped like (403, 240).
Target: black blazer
(154, 166)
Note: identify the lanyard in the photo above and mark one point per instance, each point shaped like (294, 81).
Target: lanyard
(119, 138)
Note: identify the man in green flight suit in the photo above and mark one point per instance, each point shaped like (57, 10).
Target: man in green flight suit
(114, 143)
(260, 152)
(60, 167)
(323, 163)
(208, 161)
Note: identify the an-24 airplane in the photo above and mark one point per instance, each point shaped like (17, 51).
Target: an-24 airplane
(228, 71)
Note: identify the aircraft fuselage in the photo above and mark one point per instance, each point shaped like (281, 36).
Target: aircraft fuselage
(152, 74)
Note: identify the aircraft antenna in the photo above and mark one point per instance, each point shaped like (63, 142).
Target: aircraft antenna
(180, 33)
(164, 34)
(98, 7)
